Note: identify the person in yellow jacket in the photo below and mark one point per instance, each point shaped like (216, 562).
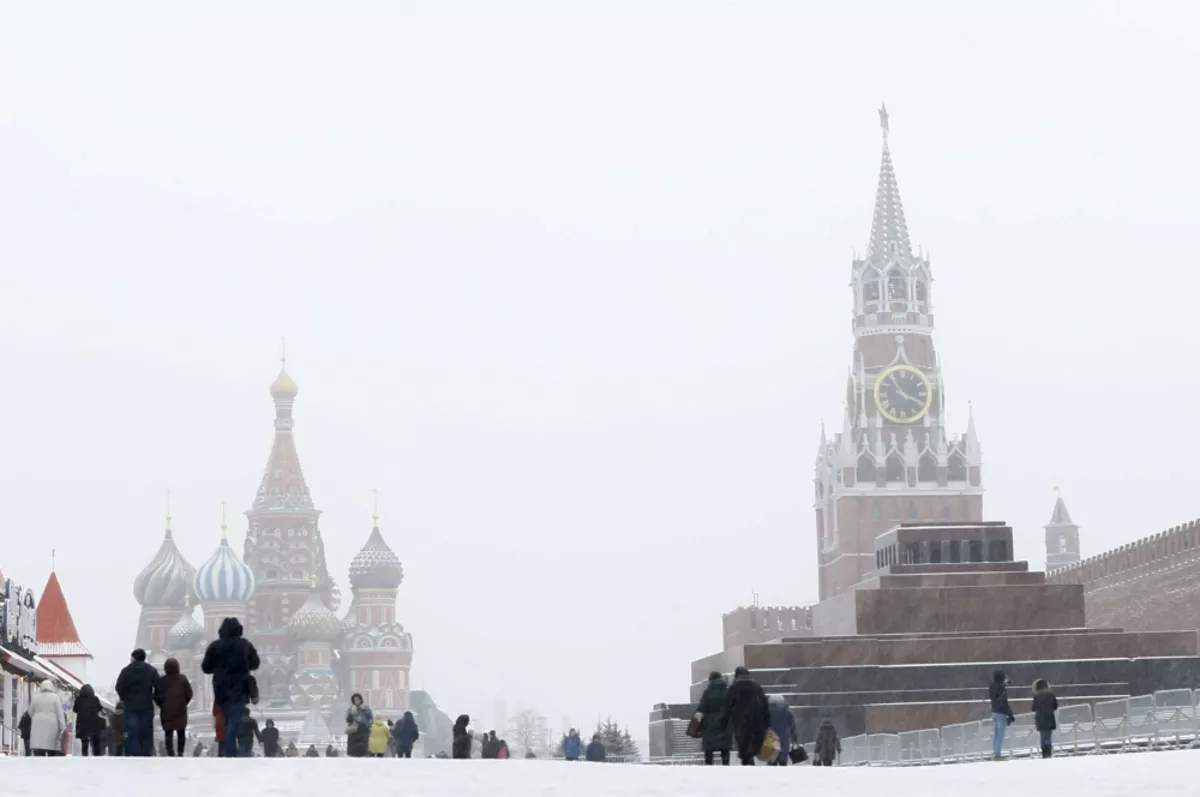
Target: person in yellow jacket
(377, 745)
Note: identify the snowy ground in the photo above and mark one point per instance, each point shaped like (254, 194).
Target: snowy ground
(1174, 773)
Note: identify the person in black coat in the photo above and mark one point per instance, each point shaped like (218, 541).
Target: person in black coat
(140, 688)
(461, 746)
(1045, 704)
(1002, 715)
(230, 659)
(25, 728)
(270, 741)
(747, 713)
(247, 734)
(715, 735)
(405, 735)
(89, 724)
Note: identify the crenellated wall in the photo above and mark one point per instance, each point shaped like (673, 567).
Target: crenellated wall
(747, 624)
(1152, 584)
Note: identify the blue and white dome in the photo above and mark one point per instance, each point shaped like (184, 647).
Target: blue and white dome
(224, 578)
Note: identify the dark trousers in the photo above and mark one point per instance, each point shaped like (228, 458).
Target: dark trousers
(747, 760)
(139, 734)
(174, 742)
(245, 748)
(232, 713)
(90, 741)
(709, 755)
(25, 743)
(45, 753)
(402, 753)
(826, 762)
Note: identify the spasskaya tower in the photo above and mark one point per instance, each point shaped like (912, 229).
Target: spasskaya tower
(893, 461)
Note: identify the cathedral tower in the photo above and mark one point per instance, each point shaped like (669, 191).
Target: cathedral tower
(283, 550)
(1062, 537)
(377, 648)
(893, 461)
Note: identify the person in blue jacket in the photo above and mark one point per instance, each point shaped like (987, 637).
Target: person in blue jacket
(572, 745)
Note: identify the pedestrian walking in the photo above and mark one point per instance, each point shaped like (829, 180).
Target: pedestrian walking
(1002, 715)
(89, 721)
(747, 712)
(140, 688)
(231, 659)
(47, 722)
(1045, 706)
(173, 710)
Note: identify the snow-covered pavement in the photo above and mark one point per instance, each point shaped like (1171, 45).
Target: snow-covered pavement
(1174, 773)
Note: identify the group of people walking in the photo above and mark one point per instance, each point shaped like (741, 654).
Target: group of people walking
(741, 716)
(465, 743)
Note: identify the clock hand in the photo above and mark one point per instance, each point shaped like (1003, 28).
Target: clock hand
(900, 390)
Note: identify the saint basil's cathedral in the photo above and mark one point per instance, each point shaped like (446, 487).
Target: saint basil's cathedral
(282, 591)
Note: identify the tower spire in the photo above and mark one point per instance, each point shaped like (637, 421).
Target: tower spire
(889, 231)
(375, 513)
(224, 524)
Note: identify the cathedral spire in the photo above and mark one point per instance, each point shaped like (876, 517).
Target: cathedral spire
(889, 232)
(283, 487)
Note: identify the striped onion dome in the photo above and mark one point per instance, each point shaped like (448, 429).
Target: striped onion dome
(167, 580)
(186, 633)
(224, 578)
(314, 622)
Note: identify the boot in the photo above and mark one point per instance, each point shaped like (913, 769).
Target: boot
(1047, 751)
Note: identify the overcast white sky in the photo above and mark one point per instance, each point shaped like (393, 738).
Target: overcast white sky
(568, 285)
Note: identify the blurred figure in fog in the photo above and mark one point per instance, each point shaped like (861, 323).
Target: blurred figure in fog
(784, 725)
(1045, 704)
(596, 751)
(828, 745)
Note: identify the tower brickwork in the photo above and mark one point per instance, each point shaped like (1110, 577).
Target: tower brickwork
(893, 460)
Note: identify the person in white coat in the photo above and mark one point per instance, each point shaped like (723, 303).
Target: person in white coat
(48, 723)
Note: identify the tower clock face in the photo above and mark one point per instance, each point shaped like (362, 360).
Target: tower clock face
(902, 394)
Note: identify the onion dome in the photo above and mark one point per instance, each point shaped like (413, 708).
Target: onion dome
(167, 579)
(314, 622)
(186, 633)
(284, 387)
(224, 578)
(376, 566)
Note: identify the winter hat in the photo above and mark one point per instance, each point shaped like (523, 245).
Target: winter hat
(715, 676)
(998, 676)
(740, 671)
(1040, 685)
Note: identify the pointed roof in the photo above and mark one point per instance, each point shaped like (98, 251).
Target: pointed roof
(56, 632)
(889, 231)
(283, 487)
(1059, 517)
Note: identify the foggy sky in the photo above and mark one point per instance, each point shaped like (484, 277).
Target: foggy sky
(569, 287)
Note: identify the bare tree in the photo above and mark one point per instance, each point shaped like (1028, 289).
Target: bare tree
(527, 730)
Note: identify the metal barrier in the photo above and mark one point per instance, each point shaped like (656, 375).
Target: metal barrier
(1166, 719)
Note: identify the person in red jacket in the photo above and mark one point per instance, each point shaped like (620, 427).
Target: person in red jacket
(173, 710)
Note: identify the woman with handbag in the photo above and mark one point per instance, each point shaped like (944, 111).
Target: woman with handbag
(710, 724)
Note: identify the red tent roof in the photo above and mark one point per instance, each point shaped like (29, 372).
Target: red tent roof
(55, 626)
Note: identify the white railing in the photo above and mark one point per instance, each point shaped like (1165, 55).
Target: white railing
(1166, 719)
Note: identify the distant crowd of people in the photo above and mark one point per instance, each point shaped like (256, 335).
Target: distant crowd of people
(742, 717)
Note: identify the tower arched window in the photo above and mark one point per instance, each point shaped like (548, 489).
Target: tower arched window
(957, 472)
(870, 287)
(927, 468)
(897, 285)
(878, 513)
(895, 467)
(922, 289)
(912, 510)
(865, 472)
(945, 513)
(1062, 543)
